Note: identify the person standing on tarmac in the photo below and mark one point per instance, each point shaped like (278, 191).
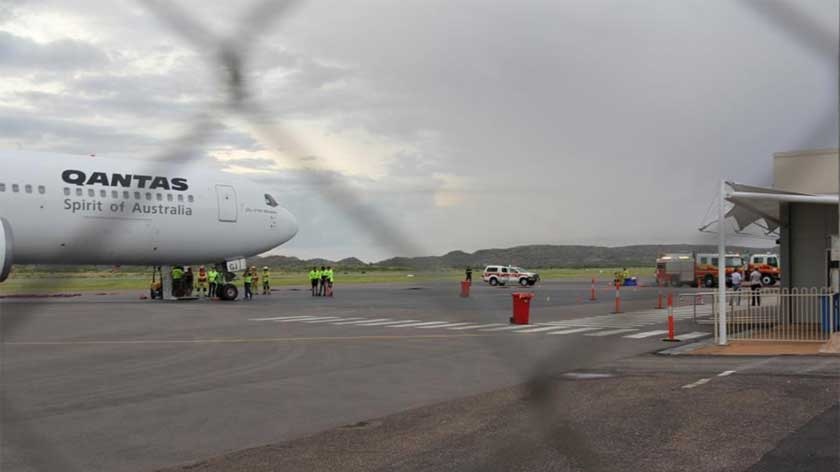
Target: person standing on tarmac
(323, 286)
(313, 280)
(248, 278)
(201, 282)
(266, 277)
(330, 278)
(177, 281)
(468, 274)
(255, 278)
(189, 279)
(213, 277)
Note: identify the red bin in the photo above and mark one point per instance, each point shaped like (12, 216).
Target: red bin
(521, 307)
(465, 288)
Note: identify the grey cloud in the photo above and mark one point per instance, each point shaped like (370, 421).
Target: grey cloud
(21, 53)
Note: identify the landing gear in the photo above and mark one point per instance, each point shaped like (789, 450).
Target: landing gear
(228, 292)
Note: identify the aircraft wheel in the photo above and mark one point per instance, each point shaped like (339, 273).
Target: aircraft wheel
(229, 292)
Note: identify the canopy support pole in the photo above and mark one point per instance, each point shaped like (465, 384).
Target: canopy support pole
(722, 265)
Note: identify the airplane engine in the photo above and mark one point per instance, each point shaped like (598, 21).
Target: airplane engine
(7, 243)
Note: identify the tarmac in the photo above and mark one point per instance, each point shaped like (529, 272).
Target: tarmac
(114, 383)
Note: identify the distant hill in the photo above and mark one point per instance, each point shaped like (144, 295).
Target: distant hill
(532, 256)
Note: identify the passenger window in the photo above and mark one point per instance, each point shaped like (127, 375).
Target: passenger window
(704, 260)
(169, 197)
(91, 192)
(492, 269)
(773, 262)
(758, 260)
(504, 270)
(148, 195)
(115, 194)
(126, 194)
(2, 187)
(28, 188)
(15, 188)
(79, 192)
(270, 201)
(159, 197)
(190, 198)
(137, 195)
(103, 193)
(180, 197)
(67, 191)
(42, 190)
(715, 261)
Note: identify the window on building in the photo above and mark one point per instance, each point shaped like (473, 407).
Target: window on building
(42, 190)
(67, 191)
(27, 188)
(15, 188)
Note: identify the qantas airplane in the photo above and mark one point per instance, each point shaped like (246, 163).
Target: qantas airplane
(68, 209)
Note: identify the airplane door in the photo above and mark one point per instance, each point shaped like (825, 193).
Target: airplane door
(226, 197)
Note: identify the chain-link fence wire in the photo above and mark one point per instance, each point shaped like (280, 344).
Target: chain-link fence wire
(231, 55)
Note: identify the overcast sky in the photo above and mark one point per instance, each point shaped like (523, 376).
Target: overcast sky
(467, 124)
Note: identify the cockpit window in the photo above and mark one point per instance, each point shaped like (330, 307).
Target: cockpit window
(270, 201)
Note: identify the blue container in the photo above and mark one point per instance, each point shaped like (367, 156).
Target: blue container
(834, 301)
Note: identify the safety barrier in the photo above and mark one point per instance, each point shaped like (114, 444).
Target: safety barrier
(773, 314)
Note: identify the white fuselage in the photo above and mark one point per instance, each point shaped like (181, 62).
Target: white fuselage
(64, 209)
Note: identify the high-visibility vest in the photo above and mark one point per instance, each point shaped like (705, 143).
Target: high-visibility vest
(313, 275)
(214, 276)
(330, 274)
(248, 278)
(177, 274)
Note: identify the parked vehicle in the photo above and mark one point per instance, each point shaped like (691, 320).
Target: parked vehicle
(768, 265)
(695, 269)
(504, 275)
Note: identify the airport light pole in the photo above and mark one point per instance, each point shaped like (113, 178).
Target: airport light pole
(722, 265)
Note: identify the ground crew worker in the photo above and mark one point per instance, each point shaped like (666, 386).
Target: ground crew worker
(330, 278)
(189, 279)
(266, 281)
(323, 287)
(255, 277)
(314, 276)
(201, 282)
(177, 280)
(213, 276)
(248, 278)
(468, 274)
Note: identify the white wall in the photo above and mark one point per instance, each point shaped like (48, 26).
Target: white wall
(806, 171)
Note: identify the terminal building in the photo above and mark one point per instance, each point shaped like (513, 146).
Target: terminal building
(802, 205)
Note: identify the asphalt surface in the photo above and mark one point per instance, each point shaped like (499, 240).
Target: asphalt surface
(115, 383)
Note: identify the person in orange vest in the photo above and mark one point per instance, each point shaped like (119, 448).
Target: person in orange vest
(201, 281)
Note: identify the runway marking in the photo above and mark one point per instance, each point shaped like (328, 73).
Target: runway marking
(647, 334)
(361, 321)
(692, 335)
(611, 332)
(447, 325)
(570, 331)
(726, 373)
(240, 340)
(508, 328)
(307, 318)
(333, 320)
(537, 330)
(277, 318)
(696, 384)
(386, 323)
(476, 326)
(414, 325)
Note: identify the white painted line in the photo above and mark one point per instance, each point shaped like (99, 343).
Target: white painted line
(386, 323)
(610, 332)
(413, 325)
(647, 334)
(696, 384)
(537, 330)
(277, 318)
(361, 321)
(443, 326)
(477, 326)
(508, 328)
(726, 373)
(327, 320)
(695, 334)
(570, 331)
(305, 318)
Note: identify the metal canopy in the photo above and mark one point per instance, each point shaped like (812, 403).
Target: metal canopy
(751, 203)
